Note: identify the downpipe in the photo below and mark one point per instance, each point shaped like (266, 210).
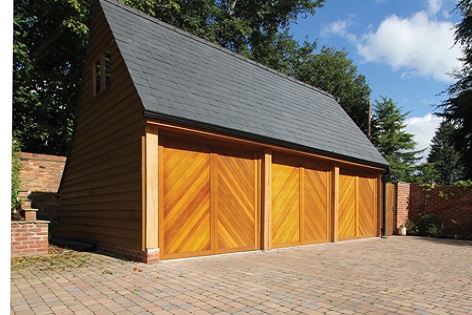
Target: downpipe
(385, 178)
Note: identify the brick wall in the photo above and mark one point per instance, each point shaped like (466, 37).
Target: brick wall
(40, 179)
(448, 203)
(29, 238)
(403, 203)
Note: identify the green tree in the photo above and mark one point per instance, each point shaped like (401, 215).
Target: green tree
(332, 71)
(424, 173)
(256, 29)
(444, 157)
(48, 53)
(393, 142)
(50, 40)
(15, 177)
(457, 108)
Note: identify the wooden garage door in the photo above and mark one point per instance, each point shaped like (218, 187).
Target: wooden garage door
(357, 206)
(208, 201)
(300, 202)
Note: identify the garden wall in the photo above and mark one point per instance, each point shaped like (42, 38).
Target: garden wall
(451, 204)
(40, 179)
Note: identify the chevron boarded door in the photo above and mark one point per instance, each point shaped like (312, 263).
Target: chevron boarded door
(185, 219)
(347, 207)
(208, 201)
(357, 206)
(285, 227)
(316, 205)
(236, 200)
(300, 202)
(367, 206)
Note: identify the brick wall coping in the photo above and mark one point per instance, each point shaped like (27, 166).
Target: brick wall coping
(31, 221)
(42, 157)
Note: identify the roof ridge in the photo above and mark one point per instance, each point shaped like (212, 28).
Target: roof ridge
(215, 46)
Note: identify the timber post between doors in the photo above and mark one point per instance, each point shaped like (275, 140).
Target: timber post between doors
(266, 198)
(334, 203)
(150, 171)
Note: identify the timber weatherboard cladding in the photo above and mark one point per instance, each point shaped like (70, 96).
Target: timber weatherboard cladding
(193, 150)
(101, 186)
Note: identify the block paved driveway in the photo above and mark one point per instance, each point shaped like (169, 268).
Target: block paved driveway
(398, 275)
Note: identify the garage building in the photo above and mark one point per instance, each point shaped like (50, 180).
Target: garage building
(182, 148)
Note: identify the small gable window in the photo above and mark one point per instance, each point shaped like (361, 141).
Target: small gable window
(107, 68)
(101, 72)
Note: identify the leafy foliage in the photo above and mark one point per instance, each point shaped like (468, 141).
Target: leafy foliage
(392, 141)
(48, 53)
(444, 158)
(429, 225)
(411, 227)
(456, 108)
(465, 184)
(424, 173)
(50, 39)
(15, 176)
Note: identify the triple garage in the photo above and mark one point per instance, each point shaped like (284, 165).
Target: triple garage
(210, 199)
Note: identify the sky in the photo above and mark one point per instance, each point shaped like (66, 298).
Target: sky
(404, 48)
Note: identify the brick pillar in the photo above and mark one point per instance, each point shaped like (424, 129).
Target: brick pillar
(29, 238)
(403, 203)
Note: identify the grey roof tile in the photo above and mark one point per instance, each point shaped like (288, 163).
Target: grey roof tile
(181, 76)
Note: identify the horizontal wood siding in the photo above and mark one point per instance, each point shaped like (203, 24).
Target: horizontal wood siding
(101, 191)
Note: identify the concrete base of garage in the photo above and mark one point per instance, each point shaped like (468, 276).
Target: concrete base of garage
(398, 275)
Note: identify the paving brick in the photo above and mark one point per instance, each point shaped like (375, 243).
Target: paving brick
(359, 277)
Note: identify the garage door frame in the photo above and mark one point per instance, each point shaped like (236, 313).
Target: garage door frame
(217, 153)
(299, 170)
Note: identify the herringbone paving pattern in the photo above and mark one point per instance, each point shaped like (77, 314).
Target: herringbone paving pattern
(398, 275)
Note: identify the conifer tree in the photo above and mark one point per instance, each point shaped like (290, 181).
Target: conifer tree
(393, 141)
(457, 108)
(444, 158)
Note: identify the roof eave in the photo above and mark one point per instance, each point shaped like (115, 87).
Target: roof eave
(258, 138)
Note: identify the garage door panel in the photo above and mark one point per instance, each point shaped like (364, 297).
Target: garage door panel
(316, 206)
(366, 206)
(285, 205)
(191, 237)
(357, 205)
(208, 200)
(347, 207)
(236, 202)
(237, 184)
(186, 211)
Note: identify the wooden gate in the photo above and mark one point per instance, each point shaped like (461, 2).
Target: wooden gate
(357, 206)
(208, 201)
(390, 209)
(300, 202)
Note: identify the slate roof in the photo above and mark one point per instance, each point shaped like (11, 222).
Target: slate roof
(184, 79)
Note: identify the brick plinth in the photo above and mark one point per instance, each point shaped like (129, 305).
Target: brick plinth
(29, 238)
(149, 257)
